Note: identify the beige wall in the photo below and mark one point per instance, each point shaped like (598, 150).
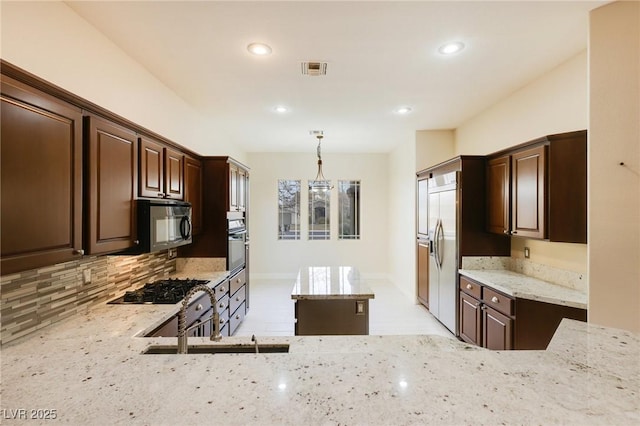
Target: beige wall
(273, 258)
(51, 41)
(614, 190)
(553, 103)
(433, 147)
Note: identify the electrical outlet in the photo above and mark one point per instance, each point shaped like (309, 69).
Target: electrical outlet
(527, 253)
(86, 276)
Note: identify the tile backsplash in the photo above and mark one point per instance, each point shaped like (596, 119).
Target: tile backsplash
(37, 298)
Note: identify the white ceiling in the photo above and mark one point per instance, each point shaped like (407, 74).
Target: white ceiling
(381, 55)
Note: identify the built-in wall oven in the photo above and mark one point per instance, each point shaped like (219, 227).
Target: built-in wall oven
(237, 235)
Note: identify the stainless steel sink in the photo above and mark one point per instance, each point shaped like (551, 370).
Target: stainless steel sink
(218, 349)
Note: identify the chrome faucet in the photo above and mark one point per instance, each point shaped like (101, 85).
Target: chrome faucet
(182, 327)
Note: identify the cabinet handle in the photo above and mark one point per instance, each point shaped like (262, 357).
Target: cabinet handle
(221, 306)
(495, 299)
(79, 251)
(199, 307)
(160, 194)
(506, 231)
(238, 317)
(469, 286)
(237, 298)
(238, 280)
(514, 232)
(221, 320)
(223, 290)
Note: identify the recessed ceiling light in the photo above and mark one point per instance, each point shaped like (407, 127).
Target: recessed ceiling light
(451, 48)
(281, 109)
(403, 110)
(260, 49)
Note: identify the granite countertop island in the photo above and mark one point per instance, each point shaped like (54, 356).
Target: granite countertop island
(89, 370)
(330, 282)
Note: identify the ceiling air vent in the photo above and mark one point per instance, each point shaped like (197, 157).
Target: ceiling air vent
(314, 68)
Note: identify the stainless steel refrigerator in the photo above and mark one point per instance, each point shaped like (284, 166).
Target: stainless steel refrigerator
(443, 248)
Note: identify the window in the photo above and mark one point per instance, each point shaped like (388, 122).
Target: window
(288, 209)
(319, 214)
(349, 209)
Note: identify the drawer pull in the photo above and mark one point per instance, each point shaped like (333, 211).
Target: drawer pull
(495, 299)
(237, 298)
(222, 306)
(199, 307)
(222, 290)
(221, 320)
(237, 317)
(238, 280)
(469, 286)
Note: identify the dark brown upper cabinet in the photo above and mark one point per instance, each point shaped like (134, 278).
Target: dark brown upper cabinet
(539, 189)
(498, 194)
(111, 180)
(161, 171)
(41, 178)
(193, 191)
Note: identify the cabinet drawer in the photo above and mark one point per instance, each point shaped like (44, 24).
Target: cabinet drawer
(498, 301)
(470, 287)
(222, 289)
(237, 299)
(235, 319)
(237, 281)
(223, 303)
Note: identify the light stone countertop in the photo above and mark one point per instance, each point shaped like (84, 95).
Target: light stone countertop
(91, 371)
(330, 282)
(526, 287)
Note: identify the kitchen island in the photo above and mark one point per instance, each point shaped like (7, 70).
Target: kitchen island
(331, 300)
(89, 370)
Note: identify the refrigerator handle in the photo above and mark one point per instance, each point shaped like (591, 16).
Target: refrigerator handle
(440, 242)
(436, 245)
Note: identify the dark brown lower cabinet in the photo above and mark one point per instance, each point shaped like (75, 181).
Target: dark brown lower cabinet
(496, 321)
(423, 272)
(470, 319)
(497, 330)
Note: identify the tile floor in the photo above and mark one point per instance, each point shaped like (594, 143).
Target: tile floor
(271, 311)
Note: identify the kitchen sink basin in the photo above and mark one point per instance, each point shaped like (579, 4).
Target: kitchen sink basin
(218, 349)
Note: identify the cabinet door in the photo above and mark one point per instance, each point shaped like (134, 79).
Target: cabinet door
(233, 187)
(193, 191)
(423, 272)
(498, 330)
(498, 195)
(174, 174)
(41, 181)
(470, 319)
(242, 192)
(529, 193)
(151, 169)
(111, 185)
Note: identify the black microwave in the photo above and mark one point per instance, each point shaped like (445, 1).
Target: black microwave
(162, 224)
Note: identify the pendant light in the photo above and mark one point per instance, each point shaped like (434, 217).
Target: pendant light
(320, 183)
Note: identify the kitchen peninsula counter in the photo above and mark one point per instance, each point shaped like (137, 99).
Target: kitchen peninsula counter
(525, 287)
(90, 370)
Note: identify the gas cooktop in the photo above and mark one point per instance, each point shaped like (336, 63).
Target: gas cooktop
(168, 291)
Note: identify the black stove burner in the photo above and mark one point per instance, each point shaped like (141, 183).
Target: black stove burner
(169, 291)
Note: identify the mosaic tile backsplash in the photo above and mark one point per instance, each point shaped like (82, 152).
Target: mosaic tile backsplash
(34, 299)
